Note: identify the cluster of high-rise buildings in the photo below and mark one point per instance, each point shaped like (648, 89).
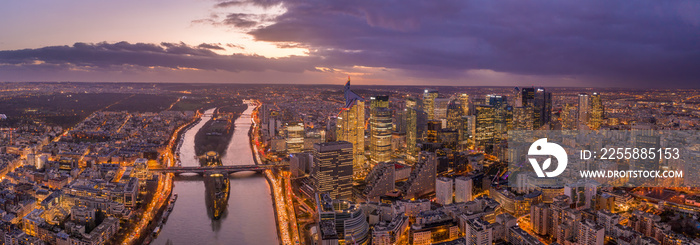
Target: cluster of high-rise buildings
(427, 167)
(408, 158)
(587, 114)
(376, 166)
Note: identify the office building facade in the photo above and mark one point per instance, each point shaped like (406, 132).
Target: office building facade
(380, 129)
(351, 127)
(333, 169)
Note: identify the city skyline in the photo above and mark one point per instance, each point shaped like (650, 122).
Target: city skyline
(339, 122)
(261, 164)
(464, 43)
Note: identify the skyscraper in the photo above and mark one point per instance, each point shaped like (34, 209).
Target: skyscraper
(568, 117)
(411, 125)
(467, 131)
(464, 103)
(351, 128)
(484, 135)
(597, 111)
(380, 129)
(399, 120)
(434, 127)
(538, 103)
(429, 97)
(441, 108)
(295, 137)
(522, 118)
(543, 103)
(333, 169)
(264, 113)
(454, 116)
(449, 138)
(583, 109)
(379, 101)
(501, 112)
(527, 97)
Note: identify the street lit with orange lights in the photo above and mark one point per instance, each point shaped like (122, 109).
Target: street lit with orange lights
(283, 217)
(282, 194)
(162, 193)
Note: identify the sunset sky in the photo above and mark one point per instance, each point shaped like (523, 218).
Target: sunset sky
(404, 42)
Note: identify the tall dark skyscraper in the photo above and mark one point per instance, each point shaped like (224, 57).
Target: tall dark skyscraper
(527, 97)
(496, 100)
(539, 103)
(543, 107)
(434, 127)
(333, 169)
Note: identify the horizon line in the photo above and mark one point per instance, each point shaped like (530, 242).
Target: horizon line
(340, 84)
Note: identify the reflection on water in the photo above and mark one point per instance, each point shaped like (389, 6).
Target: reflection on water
(248, 217)
(216, 188)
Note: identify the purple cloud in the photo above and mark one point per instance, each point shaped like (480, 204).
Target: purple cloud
(215, 46)
(240, 20)
(641, 42)
(168, 55)
(645, 43)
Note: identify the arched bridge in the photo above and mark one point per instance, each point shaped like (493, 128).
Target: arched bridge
(218, 169)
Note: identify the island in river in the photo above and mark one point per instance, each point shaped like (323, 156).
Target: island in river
(216, 134)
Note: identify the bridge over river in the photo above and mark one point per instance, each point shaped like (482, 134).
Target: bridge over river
(229, 169)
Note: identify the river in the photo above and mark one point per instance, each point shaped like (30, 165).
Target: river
(250, 217)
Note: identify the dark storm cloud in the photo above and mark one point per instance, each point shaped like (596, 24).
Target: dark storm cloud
(595, 43)
(623, 42)
(169, 55)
